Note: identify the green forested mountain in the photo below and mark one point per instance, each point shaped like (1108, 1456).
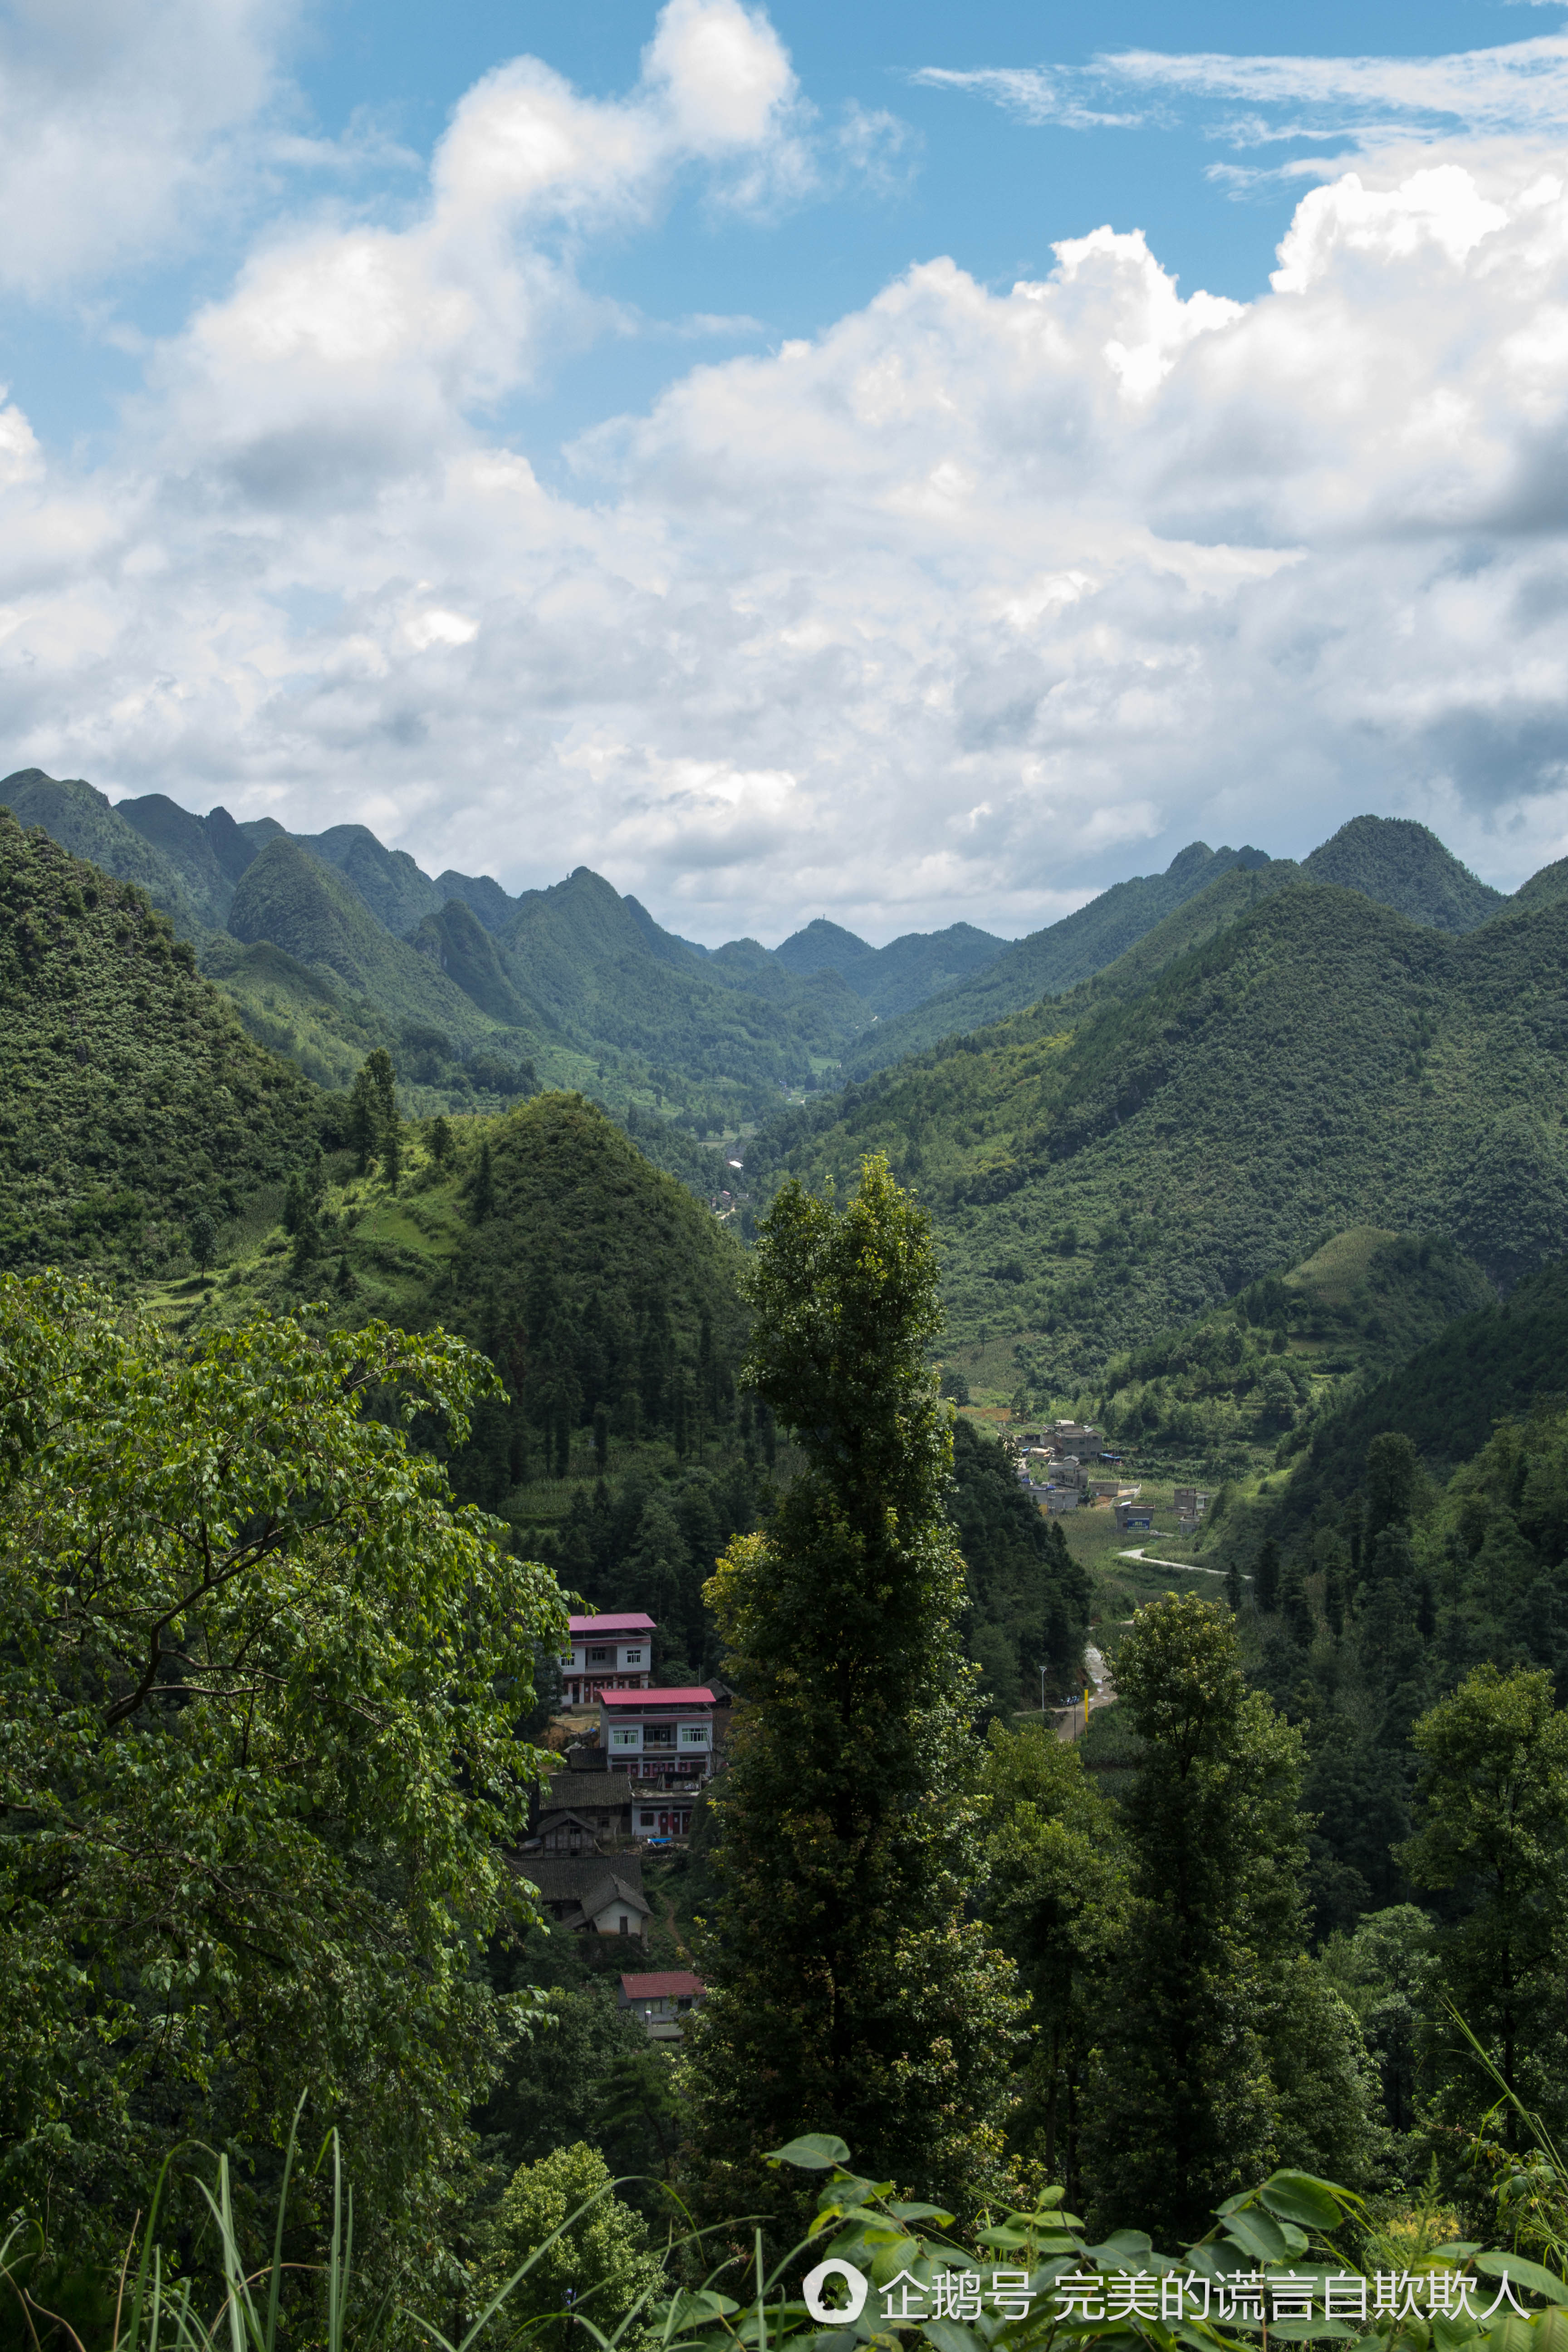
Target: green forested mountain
(893, 979)
(1103, 1169)
(289, 898)
(82, 821)
(131, 1099)
(1050, 961)
(1403, 866)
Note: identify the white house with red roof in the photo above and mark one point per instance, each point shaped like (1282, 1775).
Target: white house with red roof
(662, 1997)
(606, 1653)
(660, 1736)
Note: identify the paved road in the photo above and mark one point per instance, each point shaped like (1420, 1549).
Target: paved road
(1070, 1720)
(1187, 1567)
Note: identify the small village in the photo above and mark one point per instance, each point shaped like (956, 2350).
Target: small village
(1058, 1465)
(635, 1761)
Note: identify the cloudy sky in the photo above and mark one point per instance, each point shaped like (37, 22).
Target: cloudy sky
(893, 461)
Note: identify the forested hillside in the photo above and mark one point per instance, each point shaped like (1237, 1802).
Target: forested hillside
(1053, 960)
(1240, 1384)
(1103, 1169)
(1497, 1362)
(131, 1101)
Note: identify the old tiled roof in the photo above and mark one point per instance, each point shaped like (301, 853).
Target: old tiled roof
(664, 1984)
(568, 1877)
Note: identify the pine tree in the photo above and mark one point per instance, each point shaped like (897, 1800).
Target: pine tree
(364, 1126)
(440, 1138)
(392, 1152)
(1294, 1605)
(1266, 1578)
(600, 1439)
(848, 1990)
(1233, 1588)
(483, 1190)
(1185, 2109)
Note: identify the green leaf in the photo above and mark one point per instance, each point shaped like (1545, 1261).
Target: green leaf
(1298, 2196)
(1528, 2276)
(921, 2213)
(815, 2152)
(949, 2336)
(1259, 2235)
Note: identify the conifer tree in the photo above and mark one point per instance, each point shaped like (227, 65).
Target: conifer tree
(483, 1188)
(1186, 2110)
(1266, 1578)
(848, 1990)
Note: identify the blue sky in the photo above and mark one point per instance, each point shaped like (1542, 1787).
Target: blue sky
(752, 451)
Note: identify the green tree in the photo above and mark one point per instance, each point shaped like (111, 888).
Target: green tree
(600, 2265)
(1266, 1578)
(1184, 2108)
(258, 1681)
(1393, 1468)
(1493, 1836)
(482, 1186)
(848, 1992)
(364, 1123)
(440, 1139)
(1294, 1605)
(1057, 1898)
(202, 1233)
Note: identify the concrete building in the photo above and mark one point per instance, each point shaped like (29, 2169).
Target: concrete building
(606, 1653)
(1190, 1502)
(660, 1736)
(1059, 1500)
(662, 1999)
(1135, 1515)
(1080, 1438)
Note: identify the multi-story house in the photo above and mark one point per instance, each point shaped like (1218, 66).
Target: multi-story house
(662, 1737)
(606, 1653)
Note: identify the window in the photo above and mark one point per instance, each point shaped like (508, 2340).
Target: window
(694, 1735)
(634, 1657)
(626, 1735)
(644, 1820)
(601, 1657)
(626, 1925)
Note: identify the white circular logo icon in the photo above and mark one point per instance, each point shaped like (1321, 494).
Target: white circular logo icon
(856, 2281)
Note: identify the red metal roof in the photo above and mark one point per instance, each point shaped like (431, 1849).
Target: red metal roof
(636, 1624)
(663, 1985)
(656, 1698)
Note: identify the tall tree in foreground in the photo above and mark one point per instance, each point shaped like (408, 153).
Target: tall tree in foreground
(1203, 2082)
(848, 1993)
(1493, 1841)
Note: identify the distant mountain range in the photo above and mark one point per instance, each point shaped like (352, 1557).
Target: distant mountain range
(1281, 1059)
(330, 943)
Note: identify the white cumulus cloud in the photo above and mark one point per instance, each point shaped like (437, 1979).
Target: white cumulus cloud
(978, 596)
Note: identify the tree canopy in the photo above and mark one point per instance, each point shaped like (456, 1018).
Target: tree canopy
(258, 1681)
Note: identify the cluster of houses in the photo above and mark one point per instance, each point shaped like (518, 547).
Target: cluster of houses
(640, 1754)
(1058, 1467)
